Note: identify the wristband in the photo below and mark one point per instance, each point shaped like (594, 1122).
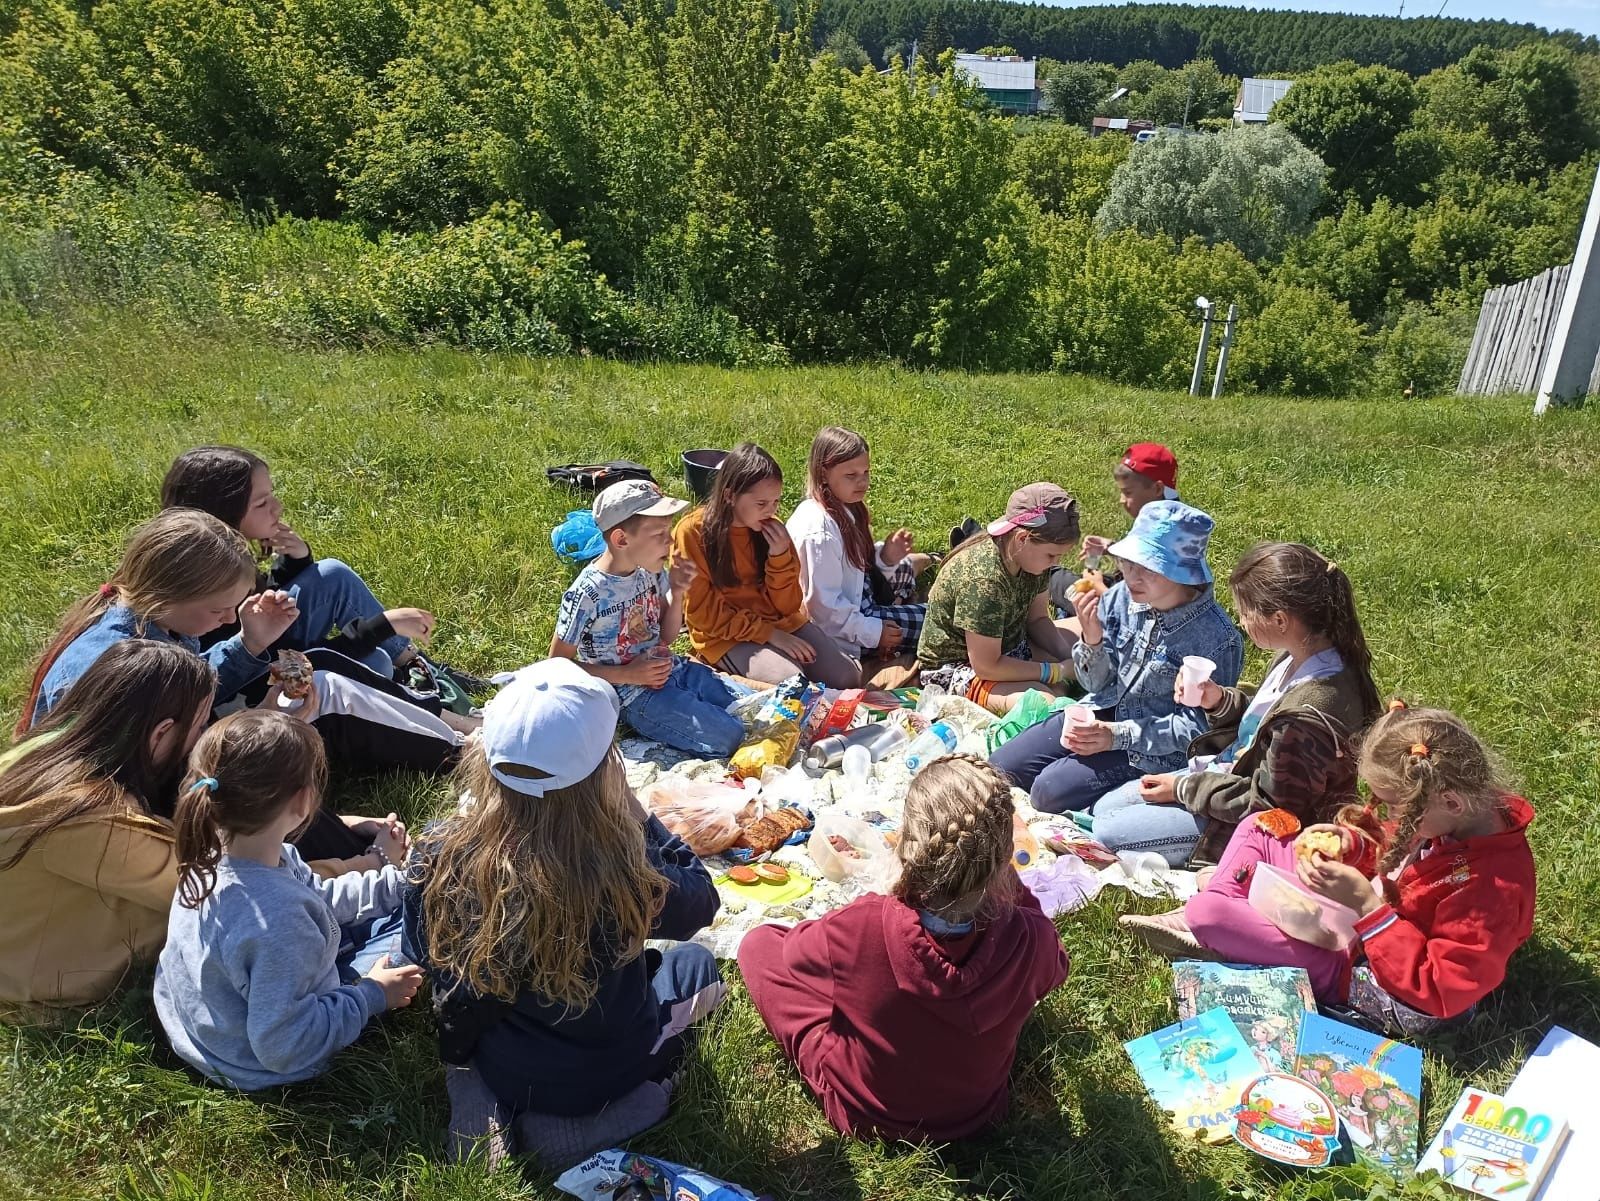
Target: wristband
(1044, 673)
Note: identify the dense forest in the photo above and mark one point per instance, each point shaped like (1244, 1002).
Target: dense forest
(721, 181)
(1240, 41)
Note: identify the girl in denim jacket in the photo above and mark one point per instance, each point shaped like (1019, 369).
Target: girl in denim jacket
(1135, 638)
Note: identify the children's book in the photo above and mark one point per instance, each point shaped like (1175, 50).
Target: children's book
(1375, 1085)
(1197, 1069)
(1560, 1077)
(1266, 1003)
(1494, 1149)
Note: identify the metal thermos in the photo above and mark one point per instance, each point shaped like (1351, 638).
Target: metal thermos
(827, 753)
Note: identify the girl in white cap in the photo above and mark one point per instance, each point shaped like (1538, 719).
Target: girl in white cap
(530, 911)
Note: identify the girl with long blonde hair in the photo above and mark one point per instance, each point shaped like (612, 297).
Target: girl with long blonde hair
(902, 1012)
(530, 909)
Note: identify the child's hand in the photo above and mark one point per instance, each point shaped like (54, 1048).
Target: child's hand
(392, 840)
(1338, 882)
(680, 574)
(1210, 694)
(1090, 739)
(1159, 790)
(415, 624)
(399, 984)
(897, 546)
(890, 638)
(793, 646)
(265, 617)
(651, 671)
(777, 536)
(1093, 544)
(287, 543)
(307, 709)
(1087, 606)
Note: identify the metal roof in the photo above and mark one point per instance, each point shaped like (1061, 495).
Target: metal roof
(1257, 96)
(1009, 74)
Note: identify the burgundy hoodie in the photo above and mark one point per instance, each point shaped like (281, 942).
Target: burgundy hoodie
(900, 1034)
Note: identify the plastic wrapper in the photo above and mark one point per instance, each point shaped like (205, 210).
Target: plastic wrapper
(847, 850)
(706, 816)
(1063, 884)
(1033, 708)
(626, 1176)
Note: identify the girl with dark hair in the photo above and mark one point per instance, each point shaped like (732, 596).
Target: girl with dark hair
(745, 610)
(859, 592)
(1286, 745)
(235, 487)
(87, 866)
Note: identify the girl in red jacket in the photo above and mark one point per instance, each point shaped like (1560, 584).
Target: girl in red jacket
(902, 1012)
(1452, 898)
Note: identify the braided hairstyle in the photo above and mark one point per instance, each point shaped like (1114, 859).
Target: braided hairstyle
(956, 839)
(1412, 757)
(1290, 577)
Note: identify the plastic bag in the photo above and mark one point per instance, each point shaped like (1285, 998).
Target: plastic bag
(1062, 885)
(624, 1176)
(578, 539)
(706, 816)
(1033, 708)
(774, 727)
(848, 850)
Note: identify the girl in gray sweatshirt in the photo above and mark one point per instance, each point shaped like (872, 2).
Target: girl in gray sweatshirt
(269, 970)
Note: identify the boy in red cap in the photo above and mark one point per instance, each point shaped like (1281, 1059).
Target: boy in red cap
(1148, 471)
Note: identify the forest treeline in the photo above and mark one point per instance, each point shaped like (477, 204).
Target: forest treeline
(707, 181)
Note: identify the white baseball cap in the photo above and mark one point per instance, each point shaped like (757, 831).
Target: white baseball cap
(633, 498)
(553, 717)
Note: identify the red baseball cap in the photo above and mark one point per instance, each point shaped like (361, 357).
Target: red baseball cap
(1154, 461)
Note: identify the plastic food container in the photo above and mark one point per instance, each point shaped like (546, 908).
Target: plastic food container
(1298, 912)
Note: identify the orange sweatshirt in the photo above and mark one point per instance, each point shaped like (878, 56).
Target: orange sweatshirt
(717, 617)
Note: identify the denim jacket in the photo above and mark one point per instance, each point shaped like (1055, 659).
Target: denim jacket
(1135, 668)
(234, 664)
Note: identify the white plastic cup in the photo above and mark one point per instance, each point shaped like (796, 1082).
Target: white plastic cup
(857, 764)
(1075, 717)
(1196, 671)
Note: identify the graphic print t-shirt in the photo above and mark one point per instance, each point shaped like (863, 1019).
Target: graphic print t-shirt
(612, 619)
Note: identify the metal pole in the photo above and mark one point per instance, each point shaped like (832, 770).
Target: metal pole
(1222, 351)
(1210, 312)
(1576, 338)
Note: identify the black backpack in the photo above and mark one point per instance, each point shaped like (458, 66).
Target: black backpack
(595, 477)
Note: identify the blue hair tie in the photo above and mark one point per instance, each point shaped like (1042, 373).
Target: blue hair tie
(204, 784)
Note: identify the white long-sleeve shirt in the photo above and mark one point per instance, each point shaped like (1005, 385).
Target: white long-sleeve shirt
(833, 585)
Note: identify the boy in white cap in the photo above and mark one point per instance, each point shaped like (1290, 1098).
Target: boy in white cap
(619, 619)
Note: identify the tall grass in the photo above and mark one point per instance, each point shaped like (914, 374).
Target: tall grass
(1469, 528)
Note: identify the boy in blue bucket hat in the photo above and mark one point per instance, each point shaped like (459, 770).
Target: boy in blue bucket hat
(1135, 639)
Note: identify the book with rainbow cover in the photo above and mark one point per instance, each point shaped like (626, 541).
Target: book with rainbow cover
(1375, 1084)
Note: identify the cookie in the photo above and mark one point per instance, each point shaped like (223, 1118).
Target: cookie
(1326, 842)
(293, 673)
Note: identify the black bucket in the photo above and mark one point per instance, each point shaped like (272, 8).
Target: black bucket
(700, 469)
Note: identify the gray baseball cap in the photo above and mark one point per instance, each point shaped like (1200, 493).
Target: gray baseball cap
(633, 498)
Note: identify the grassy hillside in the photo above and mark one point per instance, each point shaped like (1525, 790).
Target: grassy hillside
(1469, 528)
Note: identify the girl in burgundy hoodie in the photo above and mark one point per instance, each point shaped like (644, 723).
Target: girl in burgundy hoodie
(1451, 901)
(902, 1012)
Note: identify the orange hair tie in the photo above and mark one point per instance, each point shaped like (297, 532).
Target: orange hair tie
(1396, 705)
(1419, 749)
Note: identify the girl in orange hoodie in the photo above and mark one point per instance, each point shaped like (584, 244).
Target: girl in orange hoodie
(746, 610)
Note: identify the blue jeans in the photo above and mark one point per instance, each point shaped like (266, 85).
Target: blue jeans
(1125, 823)
(689, 712)
(1057, 780)
(687, 986)
(360, 947)
(331, 595)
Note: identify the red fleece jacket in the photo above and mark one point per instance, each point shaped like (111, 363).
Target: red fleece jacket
(1458, 911)
(898, 1033)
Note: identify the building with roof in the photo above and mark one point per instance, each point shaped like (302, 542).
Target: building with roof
(1009, 81)
(1256, 98)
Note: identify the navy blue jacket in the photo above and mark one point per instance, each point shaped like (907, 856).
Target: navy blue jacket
(536, 1055)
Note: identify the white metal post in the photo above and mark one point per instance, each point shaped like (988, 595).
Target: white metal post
(1576, 340)
(1208, 313)
(1222, 351)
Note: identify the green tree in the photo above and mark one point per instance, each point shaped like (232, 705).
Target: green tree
(1256, 188)
(1065, 170)
(1195, 91)
(1352, 116)
(1074, 91)
(846, 51)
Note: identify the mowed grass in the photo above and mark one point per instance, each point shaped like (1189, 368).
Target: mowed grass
(1469, 528)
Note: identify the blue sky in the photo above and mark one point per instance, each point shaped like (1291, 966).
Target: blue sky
(1582, 15)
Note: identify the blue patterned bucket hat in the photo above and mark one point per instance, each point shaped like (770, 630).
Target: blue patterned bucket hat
(1169, 537)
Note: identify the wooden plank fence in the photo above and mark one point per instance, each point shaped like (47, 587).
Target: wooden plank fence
(1516, 324)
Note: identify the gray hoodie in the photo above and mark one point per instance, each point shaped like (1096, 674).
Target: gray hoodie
(247, 988)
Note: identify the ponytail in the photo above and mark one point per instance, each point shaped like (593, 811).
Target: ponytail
(1343, 629)
(243, 772)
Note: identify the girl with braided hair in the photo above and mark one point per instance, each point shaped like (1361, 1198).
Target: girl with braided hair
(1451, 900)
(1288, 744)
(902, 1012)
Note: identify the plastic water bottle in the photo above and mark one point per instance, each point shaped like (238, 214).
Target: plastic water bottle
(938, 739)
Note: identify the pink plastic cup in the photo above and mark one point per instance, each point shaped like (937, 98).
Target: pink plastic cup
(1075, 717)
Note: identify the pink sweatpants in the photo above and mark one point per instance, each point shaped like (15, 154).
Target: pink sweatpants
(1222, 919)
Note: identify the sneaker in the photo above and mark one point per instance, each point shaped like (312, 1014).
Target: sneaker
(969, 528)
(1167, 934)
(466, 681)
